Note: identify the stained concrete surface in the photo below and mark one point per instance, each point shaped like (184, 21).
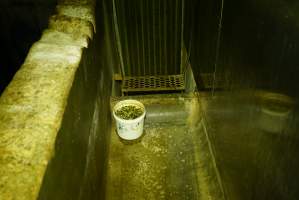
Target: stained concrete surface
(253, 163)
(33, 105)
(170, 161)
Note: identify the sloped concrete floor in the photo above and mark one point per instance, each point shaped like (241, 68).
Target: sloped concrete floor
(166, 162)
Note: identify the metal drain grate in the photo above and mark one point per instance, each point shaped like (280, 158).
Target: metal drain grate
(153, 83)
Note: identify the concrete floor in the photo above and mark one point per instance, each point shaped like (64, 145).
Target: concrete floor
(170, 161)
(253, 163)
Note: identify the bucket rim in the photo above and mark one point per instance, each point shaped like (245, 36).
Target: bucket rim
(279, 99)
(125, 103)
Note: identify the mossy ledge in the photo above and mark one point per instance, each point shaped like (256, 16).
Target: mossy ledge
(33, 104)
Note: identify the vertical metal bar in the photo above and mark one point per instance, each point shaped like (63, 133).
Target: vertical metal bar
(137, 37)
(148, 37)
(176, 37)
(171, 35)
(142, 35)
(217, 46)
(132, 39)
(126, 40)
(160, 40)
(119, 47)
(182, 65)
(154, 38)
(191, 34)
(165, 37)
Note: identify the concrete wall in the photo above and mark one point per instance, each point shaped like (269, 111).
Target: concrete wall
(254, 53)
(257, 44)
(54, 115)
(77, 171)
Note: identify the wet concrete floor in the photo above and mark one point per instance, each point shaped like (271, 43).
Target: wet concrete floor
(167, 161)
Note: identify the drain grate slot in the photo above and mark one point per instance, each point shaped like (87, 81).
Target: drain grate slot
(153, 83)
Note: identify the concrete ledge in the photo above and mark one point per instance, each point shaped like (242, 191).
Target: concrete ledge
(52, 36)
(31, 110)
(32, 106)
(54, 53)
(71, 25)
(77, 2)
(84, 12)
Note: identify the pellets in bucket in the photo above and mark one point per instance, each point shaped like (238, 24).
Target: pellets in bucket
(129, 116)
(129, 112)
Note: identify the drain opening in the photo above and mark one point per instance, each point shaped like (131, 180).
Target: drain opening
(153, 83)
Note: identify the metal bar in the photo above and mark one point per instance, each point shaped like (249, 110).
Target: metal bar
(217, 46)
(119, 47)
(148, 37)
(182, 65)
(142, 34)
(131, 38)
(165, 37)
(154, 38)
(160, 41)
(128, 65)
(175, 37)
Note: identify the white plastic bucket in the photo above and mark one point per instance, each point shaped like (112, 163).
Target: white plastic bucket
(129, 129)
(272, 119)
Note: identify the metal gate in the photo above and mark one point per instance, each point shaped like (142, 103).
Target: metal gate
(149, 36)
